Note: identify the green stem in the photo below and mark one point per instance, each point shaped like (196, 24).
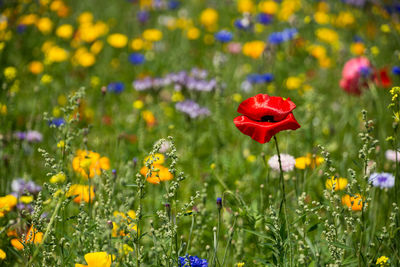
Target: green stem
(283, 202)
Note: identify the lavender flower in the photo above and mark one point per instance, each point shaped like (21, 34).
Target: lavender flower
(192, 109)
(34, 136)
(287, 160)
(382, 180)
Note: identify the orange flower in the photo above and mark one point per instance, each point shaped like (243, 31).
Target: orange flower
(33, 236)
(81, 192)
(355, 202)
(159, 174)
(89, 162)
(7, 203)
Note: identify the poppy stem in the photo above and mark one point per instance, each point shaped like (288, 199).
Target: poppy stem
(283, 202)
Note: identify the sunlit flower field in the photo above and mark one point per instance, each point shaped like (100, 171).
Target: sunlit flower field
(199, 133)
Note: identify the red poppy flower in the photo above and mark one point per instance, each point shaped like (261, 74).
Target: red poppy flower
(384, 79)
(264, 116)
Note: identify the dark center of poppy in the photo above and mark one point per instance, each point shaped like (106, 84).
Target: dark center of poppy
(267, 118)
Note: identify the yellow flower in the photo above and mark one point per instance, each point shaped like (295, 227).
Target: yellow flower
(253, 49)
(237, 97)
(125, 250)
(122, 218)
(81, 193)
(65, 31)
(336, 183)
(45, 25)
(152, 35)
(61, 144)
(269, 7)
(56, 54)
(293, 83)
(96, 47)
(375, 50)
(26, 199)
(240, 264)
(288, 8)
(35, 67)
(10, 73)
(3, 109)
(28, 19)
(193, 33)
(94, 81)
(46, 79)
(117, 40)
(317, 51)
(89, 162)
(382, 261)
(84, 57)
(177, 97)
(137, 44)
(321, 18)
(157, 159)
(357, 48)
(2, 254)
(251, 158)
(138, 104)
(245, 6)
(308, 161)
(345, 19)
(97, 259)
(7, 203)
(58, 178)
(85, 17)
(327, 35)
(209, 17)
(385, 28)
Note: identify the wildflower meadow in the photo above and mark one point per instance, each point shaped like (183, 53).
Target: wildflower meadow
(194, 133)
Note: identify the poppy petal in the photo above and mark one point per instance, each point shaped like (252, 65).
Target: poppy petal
(262, 132)
(262, 105)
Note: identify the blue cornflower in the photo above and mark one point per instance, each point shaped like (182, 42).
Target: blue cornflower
(264, 18)
(224, 36)
(242, 24)
(396, 70)
(57, 122)
(283, 36)
(260, 78)
(116, 87)
(192, 261)
(136, 58)
(365, 71)
(173, 4)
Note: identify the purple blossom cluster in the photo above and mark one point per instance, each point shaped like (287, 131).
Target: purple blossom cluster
(192, 109)
(195, 80)
(30, 136)
(19, 186)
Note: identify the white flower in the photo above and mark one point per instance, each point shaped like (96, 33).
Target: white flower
(391, 155)
(288, 162)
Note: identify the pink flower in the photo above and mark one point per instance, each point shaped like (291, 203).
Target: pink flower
(354, 75)
(234, 48)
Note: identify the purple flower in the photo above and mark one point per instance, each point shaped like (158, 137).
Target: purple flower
(382, 180)
(20, 135)
(34, 136)
(20, 186)
(143, 16)
(192, 109)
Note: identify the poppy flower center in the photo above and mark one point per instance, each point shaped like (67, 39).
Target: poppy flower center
(267, 118)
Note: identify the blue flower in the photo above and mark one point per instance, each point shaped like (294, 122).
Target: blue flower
(143, 16)
(242, 24)
(116, 87)
(283, 36)
(192, 261)
(136, 58)
(224, 36)
(57, 122)
(173, 4)
(396, 70)
(264, 18)
(260, 78)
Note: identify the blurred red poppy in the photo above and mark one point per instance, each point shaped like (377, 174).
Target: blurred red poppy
(383, 78)
(264, 116)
